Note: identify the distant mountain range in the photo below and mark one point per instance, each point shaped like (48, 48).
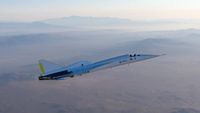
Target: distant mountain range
(72, 21)
(79, 21)
(82, 23)
(61, 24)
(86, 21)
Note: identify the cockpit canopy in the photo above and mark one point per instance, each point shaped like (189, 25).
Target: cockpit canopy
(134, 55)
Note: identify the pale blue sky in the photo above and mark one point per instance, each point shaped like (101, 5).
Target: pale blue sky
(30, 10)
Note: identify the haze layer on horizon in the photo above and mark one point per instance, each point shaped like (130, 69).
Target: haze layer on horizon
(33, 10)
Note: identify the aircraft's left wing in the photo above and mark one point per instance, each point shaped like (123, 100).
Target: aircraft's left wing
(78, 64)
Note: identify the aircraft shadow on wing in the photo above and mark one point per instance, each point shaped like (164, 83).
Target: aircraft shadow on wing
(52, 71)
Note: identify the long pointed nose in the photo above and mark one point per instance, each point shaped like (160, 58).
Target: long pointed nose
(139, 57)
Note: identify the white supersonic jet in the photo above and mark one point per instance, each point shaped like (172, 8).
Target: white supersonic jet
(51, 71)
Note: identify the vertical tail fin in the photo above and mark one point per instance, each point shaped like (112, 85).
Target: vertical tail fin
(41, 68)
(48, 67)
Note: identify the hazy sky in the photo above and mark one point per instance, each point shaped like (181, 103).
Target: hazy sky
(28, 10)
